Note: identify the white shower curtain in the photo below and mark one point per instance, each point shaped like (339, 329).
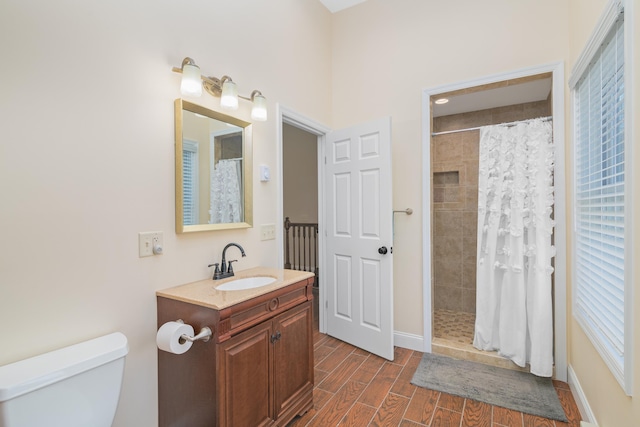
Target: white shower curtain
(226, 192)
(513, 281)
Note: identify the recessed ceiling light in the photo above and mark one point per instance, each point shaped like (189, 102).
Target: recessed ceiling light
(441, 101)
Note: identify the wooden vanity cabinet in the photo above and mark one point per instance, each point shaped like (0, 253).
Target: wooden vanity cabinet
(264, 371)
(256, 371)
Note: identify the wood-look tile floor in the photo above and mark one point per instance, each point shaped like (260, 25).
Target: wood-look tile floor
(356, 388)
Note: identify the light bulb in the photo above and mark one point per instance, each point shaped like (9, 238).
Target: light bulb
(191, 84)
(259, 110)
(229, 97)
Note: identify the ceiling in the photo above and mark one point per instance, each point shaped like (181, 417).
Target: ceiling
(530, 91)
(338, 5)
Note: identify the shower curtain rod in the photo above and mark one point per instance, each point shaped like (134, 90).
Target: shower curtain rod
(480, 127)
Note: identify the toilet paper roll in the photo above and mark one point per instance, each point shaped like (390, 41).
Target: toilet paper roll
(168, 337)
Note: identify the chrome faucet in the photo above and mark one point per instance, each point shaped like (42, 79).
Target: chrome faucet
(225, 270)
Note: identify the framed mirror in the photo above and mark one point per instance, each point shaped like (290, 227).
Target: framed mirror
(214, 161)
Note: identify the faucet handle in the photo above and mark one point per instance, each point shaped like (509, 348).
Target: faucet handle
(230, 268)
(216, 272)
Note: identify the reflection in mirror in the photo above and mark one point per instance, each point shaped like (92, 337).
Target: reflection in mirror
(213, 170)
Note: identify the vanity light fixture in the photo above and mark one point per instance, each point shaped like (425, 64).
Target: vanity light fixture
(229, 95)
(259, 110)
(191, 84)
(224, 88)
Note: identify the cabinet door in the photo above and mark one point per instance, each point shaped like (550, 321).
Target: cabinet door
(293, 358)
(245, 379)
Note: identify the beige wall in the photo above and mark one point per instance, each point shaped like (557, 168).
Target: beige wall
(610, 405)
(99, 166)
(385, 53)
(300, 174)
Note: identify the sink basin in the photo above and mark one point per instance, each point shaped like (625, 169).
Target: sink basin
(246, 283)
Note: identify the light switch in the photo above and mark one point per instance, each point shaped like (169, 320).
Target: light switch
(265, 173)
(150, 243)
(268, 232)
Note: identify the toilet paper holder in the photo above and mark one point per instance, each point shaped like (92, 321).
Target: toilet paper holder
(204, 335)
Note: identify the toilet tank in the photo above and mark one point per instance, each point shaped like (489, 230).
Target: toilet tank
(75, 386)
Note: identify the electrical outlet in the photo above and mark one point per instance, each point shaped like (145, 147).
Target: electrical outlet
(268, 232)
(150, 243)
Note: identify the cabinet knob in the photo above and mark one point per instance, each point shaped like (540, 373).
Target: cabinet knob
(275, 337)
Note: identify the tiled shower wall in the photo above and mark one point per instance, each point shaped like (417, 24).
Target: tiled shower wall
(454, 167)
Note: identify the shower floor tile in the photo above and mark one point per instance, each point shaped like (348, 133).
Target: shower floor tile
(453, 336)
(454, 326)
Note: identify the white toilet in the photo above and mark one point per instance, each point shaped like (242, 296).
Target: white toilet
(76, 386)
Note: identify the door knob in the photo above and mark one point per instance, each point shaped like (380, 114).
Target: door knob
(382, 250)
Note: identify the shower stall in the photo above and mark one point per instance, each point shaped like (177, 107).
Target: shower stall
(454, 212)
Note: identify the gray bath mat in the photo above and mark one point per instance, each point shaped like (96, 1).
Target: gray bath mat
(506, 388)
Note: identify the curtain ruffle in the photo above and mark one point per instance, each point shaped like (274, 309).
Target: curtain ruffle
(515, 205)
(226, 192)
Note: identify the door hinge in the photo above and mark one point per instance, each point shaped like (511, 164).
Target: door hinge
(325, 160)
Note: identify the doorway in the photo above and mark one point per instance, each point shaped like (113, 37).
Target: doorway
(300, 204)
(303, 139)
(354, 219)
(450, 193)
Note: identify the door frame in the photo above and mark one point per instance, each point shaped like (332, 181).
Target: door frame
(285, 115)
(560, 208)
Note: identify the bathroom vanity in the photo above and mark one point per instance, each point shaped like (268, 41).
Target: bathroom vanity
(257, 368)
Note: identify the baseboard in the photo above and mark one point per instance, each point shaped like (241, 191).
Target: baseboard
(409, 341)
(580, 398)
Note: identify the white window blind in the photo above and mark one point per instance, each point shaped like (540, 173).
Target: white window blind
(190, 182)
(599, 129)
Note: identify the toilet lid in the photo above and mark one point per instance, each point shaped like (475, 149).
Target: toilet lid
(40, 371)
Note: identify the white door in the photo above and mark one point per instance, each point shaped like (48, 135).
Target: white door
(358, 223)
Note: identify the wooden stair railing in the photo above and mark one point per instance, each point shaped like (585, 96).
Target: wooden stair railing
(301, 247)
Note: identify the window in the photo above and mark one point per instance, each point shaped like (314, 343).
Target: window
(190, 182)
(602, 293)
